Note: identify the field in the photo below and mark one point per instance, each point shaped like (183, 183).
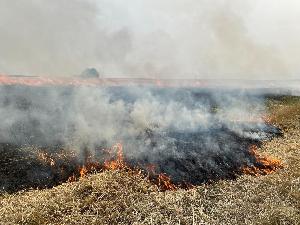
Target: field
(120, 197)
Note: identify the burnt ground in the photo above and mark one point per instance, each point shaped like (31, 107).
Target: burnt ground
(187, 157)
(117, 197)
(23, 167)
(195, 160)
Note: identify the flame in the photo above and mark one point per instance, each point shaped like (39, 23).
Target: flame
(119, 162)
(162, 180)
(165, 183)
(42, 81)
(83, 171)
(91, 166)
(265, 164)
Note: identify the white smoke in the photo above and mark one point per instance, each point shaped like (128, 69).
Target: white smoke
(167, 39)
(89, 116)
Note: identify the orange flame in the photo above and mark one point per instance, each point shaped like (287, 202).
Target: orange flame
(165, 183)
(263, 165)
(83, 171)
(119, 162)
(267, 164)
(162, 180)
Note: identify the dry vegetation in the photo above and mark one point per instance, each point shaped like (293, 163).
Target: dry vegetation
(118, 197)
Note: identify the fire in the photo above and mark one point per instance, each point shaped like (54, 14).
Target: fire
(91, 166)
(83, 171)
(165, 183)
(40, 81)
(262, 165)
(265, 164)
(119, 162)
(43, 80)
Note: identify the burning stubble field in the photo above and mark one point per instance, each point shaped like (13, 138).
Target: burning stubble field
(245, 185)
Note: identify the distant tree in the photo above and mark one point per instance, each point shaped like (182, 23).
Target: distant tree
(90, 73)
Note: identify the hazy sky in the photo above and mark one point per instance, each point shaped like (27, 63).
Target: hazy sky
(247, 39)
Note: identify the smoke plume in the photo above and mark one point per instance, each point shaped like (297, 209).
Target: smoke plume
(165, 39)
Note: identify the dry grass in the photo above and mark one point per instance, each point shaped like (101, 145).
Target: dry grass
(118, 197)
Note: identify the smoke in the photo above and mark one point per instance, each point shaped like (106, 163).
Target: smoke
(82, 115)
(165, 39)
(192, 135)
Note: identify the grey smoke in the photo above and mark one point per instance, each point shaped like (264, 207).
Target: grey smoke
(165, 39)
(193, 135)
(78, 116)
